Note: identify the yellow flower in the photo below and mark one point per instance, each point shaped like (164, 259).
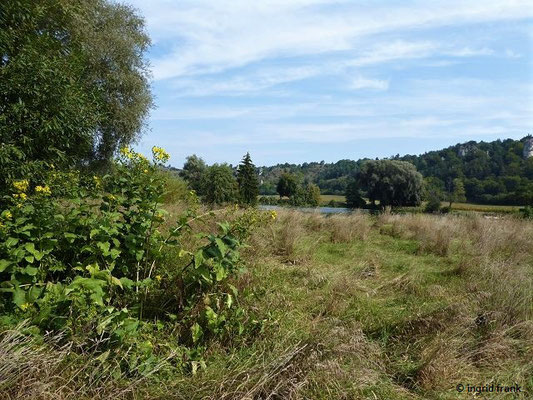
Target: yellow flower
(8, 215)
(25, 306)
(145, 171)
(23, 196)
(160, 154)
(43, 190)
(21, 186)
(158, 277)
(126, 152)
(273, 215)
(112, 197)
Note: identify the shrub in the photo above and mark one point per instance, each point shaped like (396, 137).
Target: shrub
(93, 263)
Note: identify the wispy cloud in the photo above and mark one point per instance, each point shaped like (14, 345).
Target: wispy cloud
(255, 74)
(212, 36)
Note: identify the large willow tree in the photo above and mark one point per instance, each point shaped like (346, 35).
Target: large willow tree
(74, 83)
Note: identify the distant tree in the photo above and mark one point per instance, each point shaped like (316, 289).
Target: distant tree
(313, 195)
(457, 192)
(221, 186)
(195, 173)
(393, 183)
(287, 185)
(247, 181)
(433, 194)
(354, 198)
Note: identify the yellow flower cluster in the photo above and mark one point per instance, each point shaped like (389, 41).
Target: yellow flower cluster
(126, 152)
(273, 215)
(22, 196)
(97, 181)
(43, 190)
(21, 186)
(160, 154)
(8, 215)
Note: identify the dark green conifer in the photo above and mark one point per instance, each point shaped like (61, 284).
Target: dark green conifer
(248, 181)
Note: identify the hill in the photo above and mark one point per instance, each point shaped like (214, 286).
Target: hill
(498, 172)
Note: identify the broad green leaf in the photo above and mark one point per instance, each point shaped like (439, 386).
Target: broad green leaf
(221, 246)
(30, 247)
(4, 264)
(19, 296)
(127, 283)
(116, 282)
(196, 332)
(104, 246)
(10, 242)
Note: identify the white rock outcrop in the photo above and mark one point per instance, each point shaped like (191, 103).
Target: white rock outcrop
(528, 147)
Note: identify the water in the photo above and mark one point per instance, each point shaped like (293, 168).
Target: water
(321, 210)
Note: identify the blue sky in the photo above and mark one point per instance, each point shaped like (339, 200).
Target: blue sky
(312, 80)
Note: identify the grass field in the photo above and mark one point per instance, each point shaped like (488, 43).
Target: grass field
(393, 307)
(357, 307)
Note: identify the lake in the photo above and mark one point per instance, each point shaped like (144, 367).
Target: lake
(321, 210)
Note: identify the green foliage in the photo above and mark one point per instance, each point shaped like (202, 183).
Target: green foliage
(195, 173)
(393, 183)
(313, 195)
(527, 212)
(92, 261)
(221, 186)
(65, 70)
(492, 173)
(457, 192)
(287, 185)
(354, 198)
(247, 181)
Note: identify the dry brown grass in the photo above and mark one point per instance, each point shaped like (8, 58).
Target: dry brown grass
(347, 228)
(42, 369)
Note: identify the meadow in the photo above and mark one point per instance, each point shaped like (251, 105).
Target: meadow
(353, 307)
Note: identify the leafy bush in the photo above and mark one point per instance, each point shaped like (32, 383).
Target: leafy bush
(90, 258)
(527, 212)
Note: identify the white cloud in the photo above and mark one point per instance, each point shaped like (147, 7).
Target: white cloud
(210, 36)
(364, 83)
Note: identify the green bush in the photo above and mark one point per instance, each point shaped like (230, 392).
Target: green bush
(89, 257)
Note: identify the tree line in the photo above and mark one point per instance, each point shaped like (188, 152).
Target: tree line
(497, 172)
(220, 183)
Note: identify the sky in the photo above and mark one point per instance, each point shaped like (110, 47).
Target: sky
(311, 80)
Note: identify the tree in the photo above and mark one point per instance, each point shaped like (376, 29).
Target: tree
(457, 192)
(73, 82)
(313, 195)
(221, 186)
(287, 185)
(354, 199)
(393, 183)
(195, 173)
(247, 181)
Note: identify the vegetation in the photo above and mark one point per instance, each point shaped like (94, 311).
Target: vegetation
(492, 173)
(221, 186)
(287, 185)
(247, 181)
(371, 302)
(195, 173)
(69, 93)
(393, 183)
(117, 282)
(354, 198)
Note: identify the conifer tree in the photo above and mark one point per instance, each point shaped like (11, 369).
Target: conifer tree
(248, 182)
